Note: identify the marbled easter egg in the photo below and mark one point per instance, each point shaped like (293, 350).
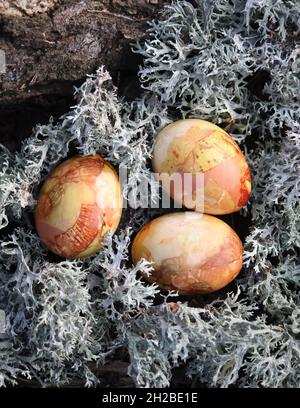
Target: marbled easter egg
(217, 177)
(78, 204)
(191, 252)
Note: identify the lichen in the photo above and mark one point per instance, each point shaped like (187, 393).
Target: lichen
(63, 317)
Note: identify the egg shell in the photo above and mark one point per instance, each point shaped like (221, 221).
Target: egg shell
(78, 204)
(191, 252)
(196, 146)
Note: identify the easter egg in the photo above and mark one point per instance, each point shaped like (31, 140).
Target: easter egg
(78, 204)
(190, 252)
(220, 181)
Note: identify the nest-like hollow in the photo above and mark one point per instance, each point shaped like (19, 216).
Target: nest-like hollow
(67, 319)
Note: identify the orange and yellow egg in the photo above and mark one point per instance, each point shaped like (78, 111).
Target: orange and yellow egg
(78, 204)
(197, 147)
(191, 253)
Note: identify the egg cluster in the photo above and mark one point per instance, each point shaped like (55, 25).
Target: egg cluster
(191, 252)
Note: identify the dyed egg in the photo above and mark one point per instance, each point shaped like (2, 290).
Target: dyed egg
(78, 204)
(220, 181)
(191, 252)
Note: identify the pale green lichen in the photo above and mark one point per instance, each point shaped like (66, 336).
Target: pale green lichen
(64, 316)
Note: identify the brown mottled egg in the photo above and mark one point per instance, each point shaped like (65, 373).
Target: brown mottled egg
(78, 204)
(197, 147)
(191, 252)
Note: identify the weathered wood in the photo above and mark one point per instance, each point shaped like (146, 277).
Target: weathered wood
(51, 47)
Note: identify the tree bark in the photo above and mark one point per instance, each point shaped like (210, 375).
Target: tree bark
(50, 46)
